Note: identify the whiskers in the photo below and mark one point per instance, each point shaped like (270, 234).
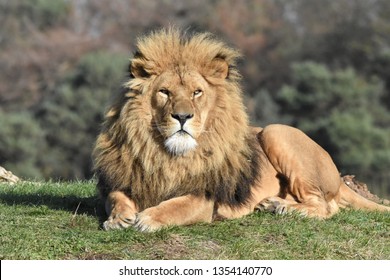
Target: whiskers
(207, 132)
(160, 127)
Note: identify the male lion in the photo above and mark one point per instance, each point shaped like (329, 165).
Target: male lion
(176, 147)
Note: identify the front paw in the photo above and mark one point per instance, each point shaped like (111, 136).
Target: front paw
(119, 221)
(146, 221)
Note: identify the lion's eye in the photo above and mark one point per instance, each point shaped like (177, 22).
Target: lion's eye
(164, 92)
(197, 93)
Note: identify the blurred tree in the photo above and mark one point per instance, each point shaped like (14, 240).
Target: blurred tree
(21, 144)
(25, 16)
(43, 13)
(342, 34)
(263, 110)
(71, 117)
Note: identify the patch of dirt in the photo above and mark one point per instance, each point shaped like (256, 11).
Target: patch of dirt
(362, 189)
(208, 250)
(171, 249)
(178, 247)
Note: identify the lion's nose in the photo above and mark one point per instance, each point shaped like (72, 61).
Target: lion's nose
(182, 117)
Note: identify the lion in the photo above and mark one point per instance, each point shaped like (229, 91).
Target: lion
(176, 147)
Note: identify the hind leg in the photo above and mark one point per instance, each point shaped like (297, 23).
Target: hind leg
(319, 209)
(312, 179)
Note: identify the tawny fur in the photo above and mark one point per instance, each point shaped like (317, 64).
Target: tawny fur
(231, 170)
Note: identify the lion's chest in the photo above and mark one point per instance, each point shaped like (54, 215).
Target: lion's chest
(152, 184)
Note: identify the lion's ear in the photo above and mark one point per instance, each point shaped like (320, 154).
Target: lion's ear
(218, 69)
(137, 69)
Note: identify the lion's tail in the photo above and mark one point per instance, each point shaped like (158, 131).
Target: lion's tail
(349, 198)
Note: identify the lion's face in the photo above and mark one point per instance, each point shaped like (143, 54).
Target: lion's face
(185, 79)
(180, 107)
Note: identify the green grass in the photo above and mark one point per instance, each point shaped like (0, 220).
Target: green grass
(62, 221)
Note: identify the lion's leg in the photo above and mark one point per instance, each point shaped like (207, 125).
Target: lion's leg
(313, 180)
(183, 210)
(229, 212)
(258, 193)
(121, 211)
(314, 208)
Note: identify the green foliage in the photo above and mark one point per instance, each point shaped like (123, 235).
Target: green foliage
(45, 13)
(263, 109)
(42, 13)
(21, 144)
(99, 70)
(71, 117)
(342, 112)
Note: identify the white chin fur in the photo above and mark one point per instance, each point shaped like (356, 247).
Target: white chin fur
(180, 144)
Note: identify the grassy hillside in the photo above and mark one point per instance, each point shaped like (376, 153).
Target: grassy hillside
(62, 221)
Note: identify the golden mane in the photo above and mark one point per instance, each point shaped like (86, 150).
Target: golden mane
(129, 155)
(170, 50)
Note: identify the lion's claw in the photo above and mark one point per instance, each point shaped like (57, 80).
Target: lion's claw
(118, 222)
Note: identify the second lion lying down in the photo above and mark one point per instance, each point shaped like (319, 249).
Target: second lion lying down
(176, 147)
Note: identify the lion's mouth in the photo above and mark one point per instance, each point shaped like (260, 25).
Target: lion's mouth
(182, 132)
(180, 142)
